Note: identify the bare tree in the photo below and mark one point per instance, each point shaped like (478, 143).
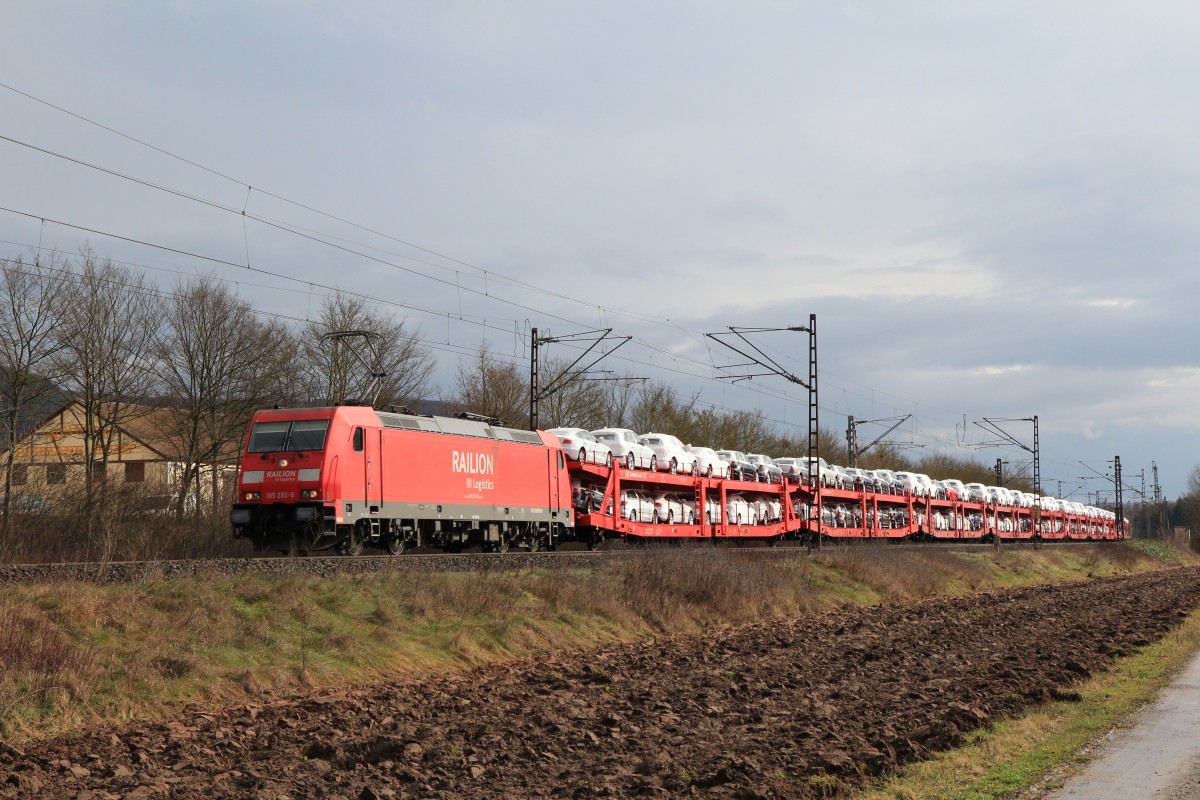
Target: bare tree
(219, 364)
(581, 402)
(1191, 500)
(329, 373)
(111, 325)
(657, 407)
(30, 338)
(619, 397)
(492, 386)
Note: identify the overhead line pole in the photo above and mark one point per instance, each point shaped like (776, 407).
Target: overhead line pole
(1120, 499)
(853, 451)
(991, 426)
(537, 393)
(756, 357)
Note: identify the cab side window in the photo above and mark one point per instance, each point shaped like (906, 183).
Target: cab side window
(358, 440)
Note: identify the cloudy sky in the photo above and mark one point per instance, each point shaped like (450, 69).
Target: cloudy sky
(991, 207)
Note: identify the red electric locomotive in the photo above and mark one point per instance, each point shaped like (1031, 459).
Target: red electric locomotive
(350, 476)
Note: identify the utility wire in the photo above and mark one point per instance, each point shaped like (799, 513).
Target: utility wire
(324, 237)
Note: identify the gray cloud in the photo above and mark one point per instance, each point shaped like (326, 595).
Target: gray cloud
(990, 206)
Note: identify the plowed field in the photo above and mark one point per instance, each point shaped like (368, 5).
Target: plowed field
(807, 708)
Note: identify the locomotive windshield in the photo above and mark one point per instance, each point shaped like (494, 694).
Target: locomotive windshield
(300, 434)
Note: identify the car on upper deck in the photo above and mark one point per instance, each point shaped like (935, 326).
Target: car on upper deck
(626, 448)
(672, 456)
(581, 445)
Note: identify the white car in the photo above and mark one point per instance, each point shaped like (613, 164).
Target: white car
(841, 478)
(671, 509)
(712, 510)
(770, 510)
(891, 484)
(976, 493)
(957, 486)
(927, 482)
(912, 484)
(672, 455)
(708, 463)
(637, 506)
(626, 447)
(579, 444)
(738, 511)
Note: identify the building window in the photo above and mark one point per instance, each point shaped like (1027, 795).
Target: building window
(135, 471)
(20, 474)
(99, 472)
(56, 473)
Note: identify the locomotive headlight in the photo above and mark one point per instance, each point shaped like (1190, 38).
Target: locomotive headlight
(251, 496)
(283, 462)
(309, 493)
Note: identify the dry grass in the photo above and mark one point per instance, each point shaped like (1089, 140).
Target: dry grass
(74, 653)
(900, 575)
(125, 523)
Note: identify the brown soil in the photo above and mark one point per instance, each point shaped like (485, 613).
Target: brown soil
(807, 708)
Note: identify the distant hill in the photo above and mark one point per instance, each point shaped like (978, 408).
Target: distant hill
(48, 398)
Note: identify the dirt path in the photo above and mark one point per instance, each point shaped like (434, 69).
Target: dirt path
(798, 709)
(1158, 758)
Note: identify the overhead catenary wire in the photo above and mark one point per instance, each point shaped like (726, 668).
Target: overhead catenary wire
(324, 237)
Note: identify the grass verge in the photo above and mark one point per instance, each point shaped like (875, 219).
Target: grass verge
(1045, 747)
(72, 654)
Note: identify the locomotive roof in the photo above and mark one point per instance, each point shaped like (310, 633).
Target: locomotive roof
(457, 427)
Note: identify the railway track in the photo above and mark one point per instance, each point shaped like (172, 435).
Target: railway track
(571, 557)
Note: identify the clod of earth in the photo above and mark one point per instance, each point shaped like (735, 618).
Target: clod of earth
(801, 709)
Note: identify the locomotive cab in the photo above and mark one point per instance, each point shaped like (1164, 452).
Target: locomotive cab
(284, 500)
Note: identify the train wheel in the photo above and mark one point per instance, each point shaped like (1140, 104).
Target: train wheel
(594, 540)
(535, 541)
(353, 543)
(502, 545)
(397, 544)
